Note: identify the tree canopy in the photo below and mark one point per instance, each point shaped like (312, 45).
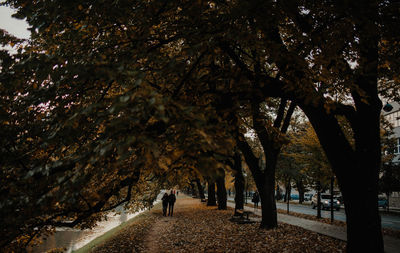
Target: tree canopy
(110, 100)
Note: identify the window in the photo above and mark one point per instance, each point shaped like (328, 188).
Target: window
(397, 148)
(394, 118)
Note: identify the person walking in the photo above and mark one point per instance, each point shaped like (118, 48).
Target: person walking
(171, 202)
(256, 199)
(165, 200)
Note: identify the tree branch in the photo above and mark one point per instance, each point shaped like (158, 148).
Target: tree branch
(288, 116)
(280, 114)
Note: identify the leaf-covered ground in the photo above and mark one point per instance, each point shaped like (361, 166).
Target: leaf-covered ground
(198, 228)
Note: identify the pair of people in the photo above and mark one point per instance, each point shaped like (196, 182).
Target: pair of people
(168, 201)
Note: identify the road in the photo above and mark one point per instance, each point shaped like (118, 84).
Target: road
(388, 220)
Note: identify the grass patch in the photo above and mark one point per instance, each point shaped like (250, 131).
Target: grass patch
(109, 234)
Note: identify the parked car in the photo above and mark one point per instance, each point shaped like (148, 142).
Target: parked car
(294, 196)
(308, 196)
(325, 202)
(382, 202)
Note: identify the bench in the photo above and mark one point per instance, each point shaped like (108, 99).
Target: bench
(243, 213)
(241, 216)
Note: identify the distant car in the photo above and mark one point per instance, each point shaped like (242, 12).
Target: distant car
(325, 202)
(382, 202)
(294, 196)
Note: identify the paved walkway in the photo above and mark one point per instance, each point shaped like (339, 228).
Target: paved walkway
(391, 244)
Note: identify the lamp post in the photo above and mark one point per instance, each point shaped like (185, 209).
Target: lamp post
(245, 187)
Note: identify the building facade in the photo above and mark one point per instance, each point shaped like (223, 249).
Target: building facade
(393, 116)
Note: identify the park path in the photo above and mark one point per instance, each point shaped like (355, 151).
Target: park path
(196, 227)
(160, 230)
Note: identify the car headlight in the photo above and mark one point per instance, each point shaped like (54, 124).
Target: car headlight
(326, 201)
(338, 202)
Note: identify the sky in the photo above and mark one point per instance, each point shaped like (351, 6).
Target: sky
(14, 26)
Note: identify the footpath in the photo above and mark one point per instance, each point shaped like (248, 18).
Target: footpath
(391, 244)
(196, 227)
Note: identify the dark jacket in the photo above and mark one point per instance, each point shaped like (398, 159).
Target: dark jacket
(256, 197)
(165, 200)
(171, 198)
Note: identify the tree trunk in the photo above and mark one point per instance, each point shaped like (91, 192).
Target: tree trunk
(265, 182)
(356, 170)
(331, 190)
(266, 190)
(221, 192)
(357, 167)
(211, 201)
(300, 189)
(239, 182)
(193, 190)
(200, 188)
(268, 205)
(288, 193)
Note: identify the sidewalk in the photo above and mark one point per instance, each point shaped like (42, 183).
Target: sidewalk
(391, 244)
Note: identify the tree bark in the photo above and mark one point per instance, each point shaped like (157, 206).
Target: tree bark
(211, 201)
(221, 192)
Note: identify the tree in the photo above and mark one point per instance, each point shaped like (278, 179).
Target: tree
(272, 140)
(321, 79)
(211, 200)
(314, 164)
(82, 137)
(150, 68)
(221, 190)
(200, 189)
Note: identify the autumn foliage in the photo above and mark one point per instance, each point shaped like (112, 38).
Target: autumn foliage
(110, 101)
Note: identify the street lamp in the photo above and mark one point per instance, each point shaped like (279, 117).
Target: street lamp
(388, 107)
